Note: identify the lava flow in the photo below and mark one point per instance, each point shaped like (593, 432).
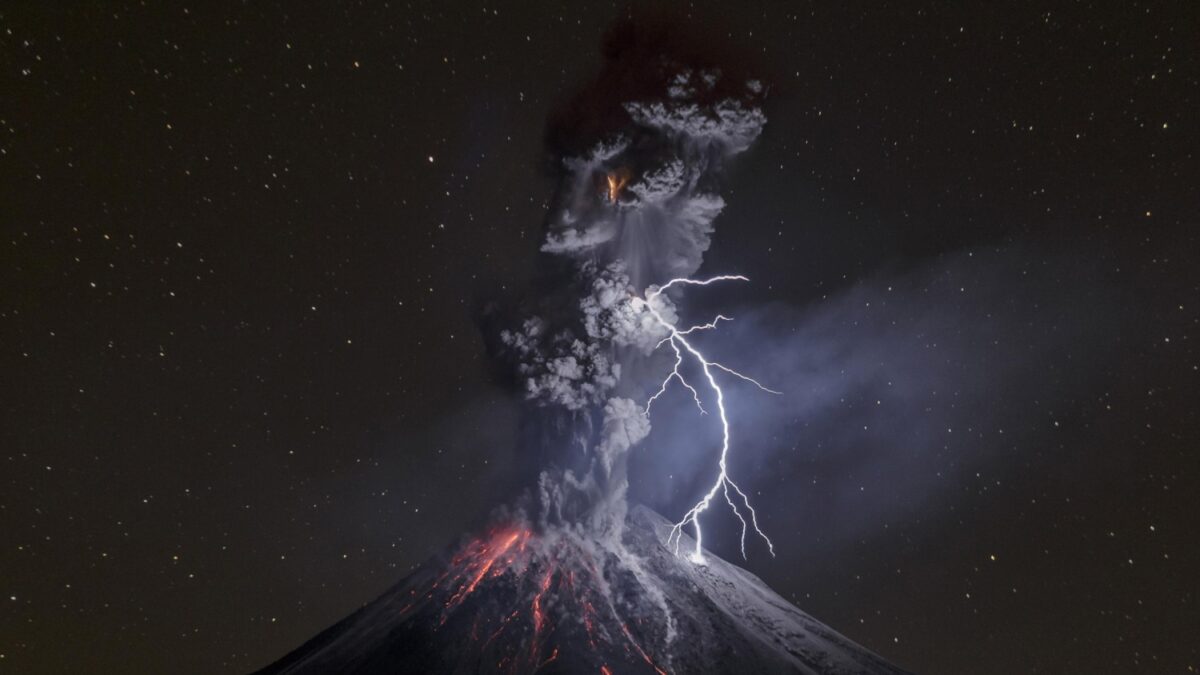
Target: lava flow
(549, 591)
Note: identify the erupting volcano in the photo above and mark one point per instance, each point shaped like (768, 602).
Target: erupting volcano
(512, 601)
(568, 578)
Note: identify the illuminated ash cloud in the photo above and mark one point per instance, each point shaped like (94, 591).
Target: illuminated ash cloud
(608, 314)
(559, 368)
(668, 153)
(729, 122)
(640, 154)
(657, 228)
(624, 426)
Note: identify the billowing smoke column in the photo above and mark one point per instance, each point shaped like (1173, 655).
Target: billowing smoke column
(568, 579)
(640, 155)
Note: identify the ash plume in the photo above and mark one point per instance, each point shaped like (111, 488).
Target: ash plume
(639, 154)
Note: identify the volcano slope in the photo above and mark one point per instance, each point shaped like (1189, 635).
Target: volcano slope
(559, 601)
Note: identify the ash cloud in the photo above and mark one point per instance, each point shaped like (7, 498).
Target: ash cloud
(659, 224)
(639, 155)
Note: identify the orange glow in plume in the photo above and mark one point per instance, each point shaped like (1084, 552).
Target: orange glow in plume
(616, 180)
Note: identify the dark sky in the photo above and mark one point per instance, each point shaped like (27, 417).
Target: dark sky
(244, 248)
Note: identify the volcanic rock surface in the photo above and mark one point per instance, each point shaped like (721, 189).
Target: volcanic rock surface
(559, 601)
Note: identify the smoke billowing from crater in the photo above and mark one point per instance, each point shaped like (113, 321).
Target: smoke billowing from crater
(639, 155)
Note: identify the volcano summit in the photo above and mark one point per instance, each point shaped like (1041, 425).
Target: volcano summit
(511, 601)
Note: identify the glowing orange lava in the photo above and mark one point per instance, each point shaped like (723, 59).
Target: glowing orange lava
(539, 616)
(478, 566)
(616, 181)
(558, 584)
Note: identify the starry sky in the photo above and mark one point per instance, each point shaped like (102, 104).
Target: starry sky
(246, 246)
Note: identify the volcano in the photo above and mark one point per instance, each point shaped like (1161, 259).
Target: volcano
(560, 600)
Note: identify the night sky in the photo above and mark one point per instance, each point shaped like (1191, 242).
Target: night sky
(246, 248)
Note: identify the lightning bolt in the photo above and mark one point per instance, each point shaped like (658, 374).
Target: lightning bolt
(679, 343)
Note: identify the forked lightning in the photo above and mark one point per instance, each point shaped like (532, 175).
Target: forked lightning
(680, 344)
